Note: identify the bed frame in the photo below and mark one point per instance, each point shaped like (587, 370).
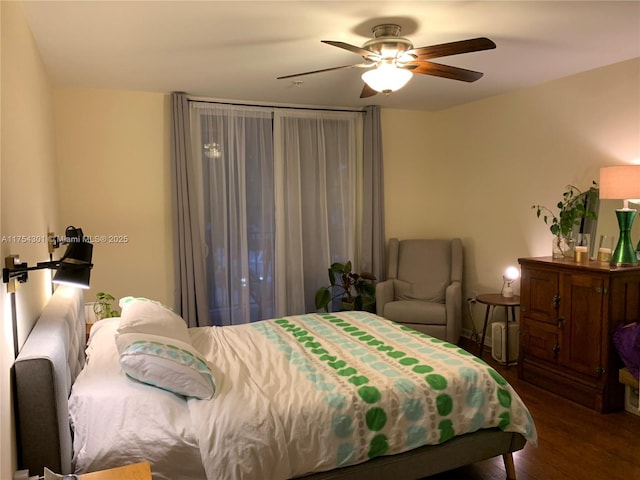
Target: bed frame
(43, 373)
(53, 355)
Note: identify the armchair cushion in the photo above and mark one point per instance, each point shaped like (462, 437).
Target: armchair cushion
(431, 290)
(413, 312)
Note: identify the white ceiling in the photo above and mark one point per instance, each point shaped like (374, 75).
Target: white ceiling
(234, 50)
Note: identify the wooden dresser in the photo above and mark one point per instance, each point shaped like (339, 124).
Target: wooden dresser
(568, 312)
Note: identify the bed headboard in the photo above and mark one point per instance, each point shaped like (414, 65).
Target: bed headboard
(44, 371)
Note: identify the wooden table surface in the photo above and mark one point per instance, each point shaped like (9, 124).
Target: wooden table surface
(136, 471)
(498, 300)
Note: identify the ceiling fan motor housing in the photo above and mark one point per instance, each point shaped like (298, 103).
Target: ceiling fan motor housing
(387, 42)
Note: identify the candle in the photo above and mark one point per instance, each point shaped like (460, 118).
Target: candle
(581, 254)
(604, 254)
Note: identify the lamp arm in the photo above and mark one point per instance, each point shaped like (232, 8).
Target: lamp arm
(21, 270)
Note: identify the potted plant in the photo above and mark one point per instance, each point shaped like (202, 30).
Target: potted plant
(102, 306)
(356, 291)
(574, 208)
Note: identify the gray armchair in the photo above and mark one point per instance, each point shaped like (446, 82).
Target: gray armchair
(423, 287)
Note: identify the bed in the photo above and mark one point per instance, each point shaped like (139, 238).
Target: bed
(345, 395)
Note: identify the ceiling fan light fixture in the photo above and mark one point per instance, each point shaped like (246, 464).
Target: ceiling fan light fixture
(387, 78)
(393, 59)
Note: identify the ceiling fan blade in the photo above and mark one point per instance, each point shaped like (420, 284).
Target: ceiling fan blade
(363, 52)
(326, 70)
(367, 91)
(454, 48)
(445, 71)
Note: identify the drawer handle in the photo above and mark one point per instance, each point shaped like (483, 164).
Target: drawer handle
(561, 322)
(556, 301)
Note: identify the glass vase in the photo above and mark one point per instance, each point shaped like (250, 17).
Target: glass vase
(563, 247)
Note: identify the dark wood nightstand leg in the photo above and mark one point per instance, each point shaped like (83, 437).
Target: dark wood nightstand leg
(484, 330)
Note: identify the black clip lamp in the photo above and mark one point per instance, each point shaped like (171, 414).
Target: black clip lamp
(74, 268)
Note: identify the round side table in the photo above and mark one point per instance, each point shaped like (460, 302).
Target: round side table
(492, 300)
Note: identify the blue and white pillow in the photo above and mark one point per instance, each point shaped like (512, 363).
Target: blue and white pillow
(166, 363)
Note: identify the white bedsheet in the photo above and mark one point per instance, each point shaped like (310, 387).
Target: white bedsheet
(117, 420)
(312, 393)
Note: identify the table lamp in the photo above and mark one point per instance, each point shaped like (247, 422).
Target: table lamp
(511, 274)
(622, 182)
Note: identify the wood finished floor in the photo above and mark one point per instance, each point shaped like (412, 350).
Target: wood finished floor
(575, 443)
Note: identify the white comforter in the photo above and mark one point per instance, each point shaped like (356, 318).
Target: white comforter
(312, 393)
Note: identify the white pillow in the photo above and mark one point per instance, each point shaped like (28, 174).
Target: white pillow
(141, 315)
(165, 363)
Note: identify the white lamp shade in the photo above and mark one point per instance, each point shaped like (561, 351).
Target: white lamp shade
(621, 182)
(511, 274)
(387, 78)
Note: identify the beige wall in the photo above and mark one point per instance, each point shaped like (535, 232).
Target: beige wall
(28, 192)
(474, 171)
(113, 159)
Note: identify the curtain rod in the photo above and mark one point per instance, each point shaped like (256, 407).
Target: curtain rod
(221, 102)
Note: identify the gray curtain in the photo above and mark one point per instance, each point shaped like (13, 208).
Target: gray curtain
(190, 295)
(372, 248)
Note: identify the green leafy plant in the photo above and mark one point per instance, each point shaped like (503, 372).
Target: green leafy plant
(356, 291)
(102, 306)
(573, 208)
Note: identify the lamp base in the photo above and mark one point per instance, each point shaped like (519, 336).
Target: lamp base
(624, 255)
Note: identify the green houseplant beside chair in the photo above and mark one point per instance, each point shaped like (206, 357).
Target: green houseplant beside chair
(356, 291)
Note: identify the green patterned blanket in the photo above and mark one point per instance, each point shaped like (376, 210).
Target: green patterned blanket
(315, 392)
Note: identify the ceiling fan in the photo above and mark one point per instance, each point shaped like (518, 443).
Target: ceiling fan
(391, 60)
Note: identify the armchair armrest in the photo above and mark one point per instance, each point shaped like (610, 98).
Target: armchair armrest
(453, 301)
(384, 295)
